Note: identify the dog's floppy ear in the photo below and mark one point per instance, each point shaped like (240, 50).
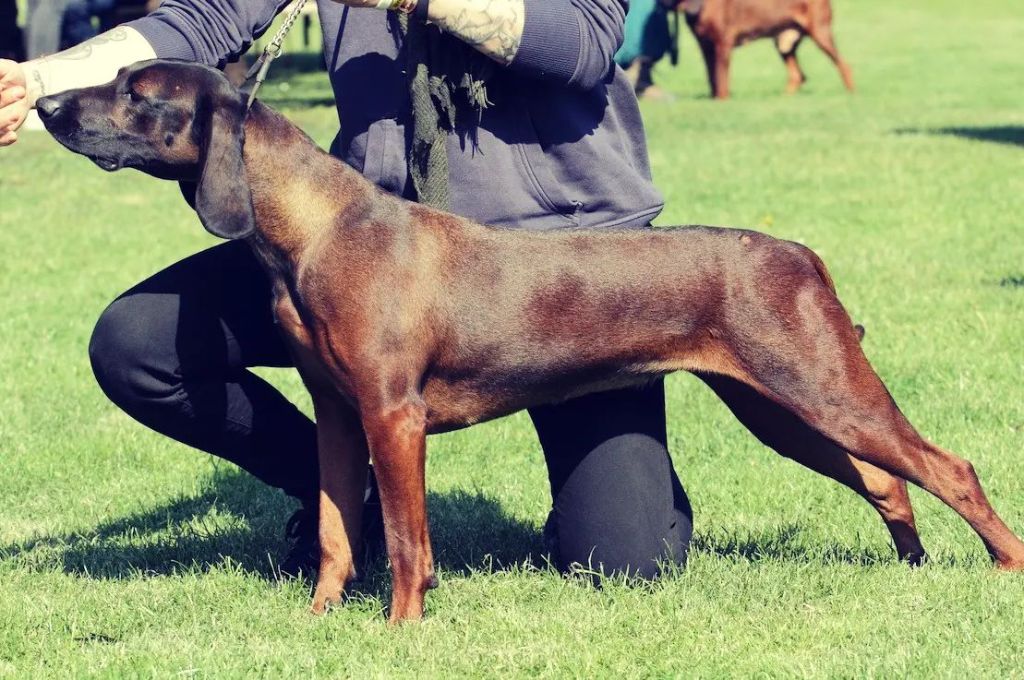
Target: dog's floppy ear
(222, 196)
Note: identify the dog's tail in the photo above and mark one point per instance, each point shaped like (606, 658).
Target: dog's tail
(822, 270)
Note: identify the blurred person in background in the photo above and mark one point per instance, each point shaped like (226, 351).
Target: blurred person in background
(54, 25)
(12, 43)
(647, 38)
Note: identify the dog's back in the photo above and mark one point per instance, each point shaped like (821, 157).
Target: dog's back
(752, 19)
(640, 291)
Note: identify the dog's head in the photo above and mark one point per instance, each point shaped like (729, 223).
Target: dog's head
(169, 119)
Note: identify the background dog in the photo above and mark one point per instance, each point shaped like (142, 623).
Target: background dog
(721, 25)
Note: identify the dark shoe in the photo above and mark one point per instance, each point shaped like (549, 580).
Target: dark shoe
(302, 529)
(304, 557)
(644, 86)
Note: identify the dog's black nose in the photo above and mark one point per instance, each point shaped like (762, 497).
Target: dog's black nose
(47, 107)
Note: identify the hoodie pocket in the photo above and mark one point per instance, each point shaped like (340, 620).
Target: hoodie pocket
(546, 190)
(384, 161)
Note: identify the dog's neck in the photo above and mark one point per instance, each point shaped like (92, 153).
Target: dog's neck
(298, 190)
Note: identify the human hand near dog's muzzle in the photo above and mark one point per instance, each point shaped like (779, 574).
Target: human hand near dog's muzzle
(15, 102)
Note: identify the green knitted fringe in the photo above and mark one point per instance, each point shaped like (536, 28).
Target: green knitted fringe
(447, 86)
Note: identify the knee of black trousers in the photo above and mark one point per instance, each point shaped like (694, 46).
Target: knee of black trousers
(128, 361)
(621, 511)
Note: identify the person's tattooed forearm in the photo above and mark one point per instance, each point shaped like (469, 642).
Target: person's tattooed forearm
(495, 27)
(84, 50)
(37, 78)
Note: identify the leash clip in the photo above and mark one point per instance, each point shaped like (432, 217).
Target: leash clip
(271, 52)
(260, 70)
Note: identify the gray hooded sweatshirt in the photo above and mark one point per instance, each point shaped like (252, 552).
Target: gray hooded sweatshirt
(562, 144)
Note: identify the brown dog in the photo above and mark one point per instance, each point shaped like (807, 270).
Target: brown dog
(406, 321)
(721, 25)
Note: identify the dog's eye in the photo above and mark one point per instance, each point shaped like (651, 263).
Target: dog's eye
(132, 95)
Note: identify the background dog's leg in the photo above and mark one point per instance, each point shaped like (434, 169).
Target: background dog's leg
(343, 468)
(786, 44)
(707, 49)
(723, 53)
(397, 437)
(781, 430)
(821, 34)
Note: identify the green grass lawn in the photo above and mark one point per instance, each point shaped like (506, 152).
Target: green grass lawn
(123, 553)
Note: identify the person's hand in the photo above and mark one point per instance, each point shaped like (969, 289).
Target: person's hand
(14, 100)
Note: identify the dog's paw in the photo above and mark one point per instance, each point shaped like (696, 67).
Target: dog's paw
(324, 599)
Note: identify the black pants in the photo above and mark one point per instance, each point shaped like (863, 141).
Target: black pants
(174, 353)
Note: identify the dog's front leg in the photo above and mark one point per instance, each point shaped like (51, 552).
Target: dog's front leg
(396, 433)
(344, 459)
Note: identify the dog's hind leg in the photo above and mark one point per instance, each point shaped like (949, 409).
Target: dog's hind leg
(821, 34)
(781, 430)
(786, 43)
(804, 354)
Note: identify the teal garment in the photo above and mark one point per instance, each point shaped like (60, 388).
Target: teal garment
(646, 33)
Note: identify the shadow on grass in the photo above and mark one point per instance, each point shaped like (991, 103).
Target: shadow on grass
(999, 134)
(1013, 281)
(239, 521)
(786, 543)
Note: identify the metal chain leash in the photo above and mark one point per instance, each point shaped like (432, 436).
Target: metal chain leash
(271, 52)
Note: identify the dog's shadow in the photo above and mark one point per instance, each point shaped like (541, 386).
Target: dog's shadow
(237, 520)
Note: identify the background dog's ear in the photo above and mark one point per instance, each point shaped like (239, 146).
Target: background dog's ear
(222, 197)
